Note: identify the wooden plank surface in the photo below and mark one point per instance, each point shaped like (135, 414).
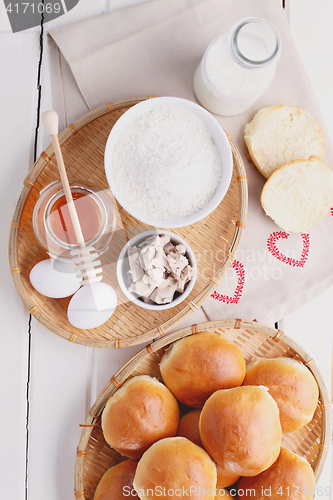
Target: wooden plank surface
(310, 24)
(18, 62)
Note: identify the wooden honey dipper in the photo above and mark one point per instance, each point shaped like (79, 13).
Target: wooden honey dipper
(93, 304)
(84, 256)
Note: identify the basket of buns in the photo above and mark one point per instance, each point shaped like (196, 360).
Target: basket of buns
(222, 408)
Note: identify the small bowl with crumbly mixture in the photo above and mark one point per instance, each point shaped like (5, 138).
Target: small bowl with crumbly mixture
(168, 162)
(156, 270)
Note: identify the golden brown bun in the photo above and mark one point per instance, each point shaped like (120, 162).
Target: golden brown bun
(289, 471)
(189, 427)
(224, 478)
(240, 429)
(117, 481)
(141, 412)
(291, 384)
(196, 366)
(175, 464)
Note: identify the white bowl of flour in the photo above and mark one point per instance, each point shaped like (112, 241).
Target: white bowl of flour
(168, 162)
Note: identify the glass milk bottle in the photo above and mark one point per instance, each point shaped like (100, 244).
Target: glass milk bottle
(237, 67)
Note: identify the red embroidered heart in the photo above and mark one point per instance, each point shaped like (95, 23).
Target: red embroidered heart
(240, 272)
(271, 245)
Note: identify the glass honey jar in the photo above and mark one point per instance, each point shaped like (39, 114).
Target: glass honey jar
(52, 224)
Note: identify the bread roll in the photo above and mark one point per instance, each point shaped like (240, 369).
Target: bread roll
(298, 194)
(279, 134)
(117, 482)
(173, 466)
(141, 412)
(290, 478)
(224, 478)
(291, 384)
(189, 427)
(240, 429)
(196, 366)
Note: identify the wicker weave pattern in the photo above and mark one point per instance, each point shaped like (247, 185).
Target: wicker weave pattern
(214, 240)
(311, 441)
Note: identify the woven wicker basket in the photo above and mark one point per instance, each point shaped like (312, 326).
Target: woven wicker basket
(94, 455)
(215, 239)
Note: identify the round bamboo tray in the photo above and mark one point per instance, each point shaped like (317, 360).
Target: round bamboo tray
(94, 456)
(214, 239)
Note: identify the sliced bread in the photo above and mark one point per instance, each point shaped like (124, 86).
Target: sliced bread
(279, 134)
(298, 194)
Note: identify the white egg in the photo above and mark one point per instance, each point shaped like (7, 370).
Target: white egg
(50, 282)
(92, 305)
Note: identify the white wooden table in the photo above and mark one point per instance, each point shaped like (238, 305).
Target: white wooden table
(47, 383)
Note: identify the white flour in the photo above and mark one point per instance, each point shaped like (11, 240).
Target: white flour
(166, 164)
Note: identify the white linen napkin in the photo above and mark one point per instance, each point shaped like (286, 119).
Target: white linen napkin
(153, 49)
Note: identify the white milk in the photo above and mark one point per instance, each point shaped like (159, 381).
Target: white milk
(226, 86)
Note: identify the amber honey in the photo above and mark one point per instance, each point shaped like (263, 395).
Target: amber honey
(88, 212)
(52, 223)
